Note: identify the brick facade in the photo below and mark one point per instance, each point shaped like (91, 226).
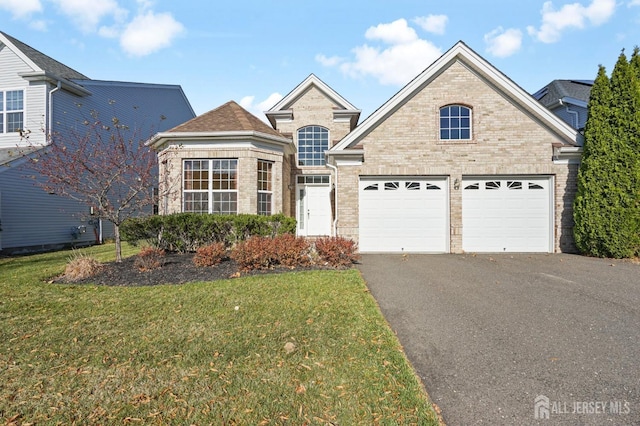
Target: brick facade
(506, 141)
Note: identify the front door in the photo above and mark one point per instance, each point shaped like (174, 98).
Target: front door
(314, 209)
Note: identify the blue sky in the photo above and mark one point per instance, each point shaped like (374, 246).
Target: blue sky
(254, 52)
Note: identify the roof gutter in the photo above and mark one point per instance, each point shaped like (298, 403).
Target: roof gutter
(65, 84)
(50, 125)
(161, 138)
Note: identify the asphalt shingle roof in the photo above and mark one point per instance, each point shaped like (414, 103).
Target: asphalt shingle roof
(229, 117)
(45, 62)
(559, 89)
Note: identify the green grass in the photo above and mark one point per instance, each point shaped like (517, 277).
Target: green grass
(185, 355)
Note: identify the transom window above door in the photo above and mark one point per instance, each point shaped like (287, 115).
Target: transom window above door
(455, 122)
(313, 141)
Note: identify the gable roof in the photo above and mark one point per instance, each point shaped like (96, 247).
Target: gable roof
(558, 91)
(343, 107)
(228, 121)
(462, 53)
(45, 63)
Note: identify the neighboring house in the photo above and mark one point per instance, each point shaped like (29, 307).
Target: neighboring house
(43, 96)
(568, 99)
(460, 160)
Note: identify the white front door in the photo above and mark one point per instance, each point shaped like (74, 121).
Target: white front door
(314, 209)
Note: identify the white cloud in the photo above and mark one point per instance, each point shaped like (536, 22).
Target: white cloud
(435, 24)
(150, 32)
(21, 8)
(88, 14)
(328, 61)
(401, 57)
(634, 3)
(258, 109)
(573, 15)
(396, 32)
(503, 43)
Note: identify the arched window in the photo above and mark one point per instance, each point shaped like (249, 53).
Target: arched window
(313, 141)
(455, 122)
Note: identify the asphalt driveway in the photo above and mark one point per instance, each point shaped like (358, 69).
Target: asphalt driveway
(488, 334)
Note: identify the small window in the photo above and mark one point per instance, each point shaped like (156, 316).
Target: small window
(432, 187)
(494, 184)
(11, 111)
(313, 179)
(473, 186)
(265, 191)
(534, 186)
(391, 186)
(372, 187)
(412, 186)
(455, 122)
(514, 184)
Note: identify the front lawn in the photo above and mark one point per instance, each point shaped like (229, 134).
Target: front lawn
(295, 348)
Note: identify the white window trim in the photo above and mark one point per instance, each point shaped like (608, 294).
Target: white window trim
(210, 191)
(266, 192)
(298, 146)
(3, 111)
(460, 140)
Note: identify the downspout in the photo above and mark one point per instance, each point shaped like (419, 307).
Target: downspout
(335, 198)
(574, 113)
(50, 124)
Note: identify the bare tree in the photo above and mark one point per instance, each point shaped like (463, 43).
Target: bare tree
(103, 165)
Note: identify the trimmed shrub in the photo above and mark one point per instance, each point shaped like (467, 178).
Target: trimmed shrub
(337, 251)
(149, 258)
(265, 252)
(81, 266)
(185, 232)
(291, 251)
(209, 255)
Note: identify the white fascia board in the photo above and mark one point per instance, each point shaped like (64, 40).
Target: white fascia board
(574, 101)
(350, 157)
(67, 85)
(312, 80)
(160, 139)
(20, 54)
(460, 52)
(567, 155)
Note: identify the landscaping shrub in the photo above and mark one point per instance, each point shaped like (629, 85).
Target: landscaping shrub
(337, 251)
(149, 258)
(185, 232)
(80, 267)
(291, 251)
(209, 255)
(265, 252)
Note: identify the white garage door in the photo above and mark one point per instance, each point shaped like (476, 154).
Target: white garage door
(506, 214)
(403, 214)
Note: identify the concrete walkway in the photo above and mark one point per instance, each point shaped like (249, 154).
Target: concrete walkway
(488, 334)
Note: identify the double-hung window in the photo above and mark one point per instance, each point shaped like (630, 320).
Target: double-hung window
(265, 189)
(210, 186)
(313, 141)
(11, 111)
(455, 122)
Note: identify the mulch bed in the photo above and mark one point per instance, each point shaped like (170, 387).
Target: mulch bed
(177, 269)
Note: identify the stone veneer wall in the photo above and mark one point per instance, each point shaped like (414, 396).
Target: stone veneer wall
(506, 141)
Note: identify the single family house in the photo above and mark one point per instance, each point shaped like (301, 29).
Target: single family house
(42, 97)
(461, 159)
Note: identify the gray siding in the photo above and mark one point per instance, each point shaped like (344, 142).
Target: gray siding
(569, 115)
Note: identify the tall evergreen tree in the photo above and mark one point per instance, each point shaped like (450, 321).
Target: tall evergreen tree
(606, 208)
(590, 201)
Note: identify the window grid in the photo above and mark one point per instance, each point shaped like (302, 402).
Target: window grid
(210, 186)
(265, 193)
(11, 111)
(455, 123)
(313, 141)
